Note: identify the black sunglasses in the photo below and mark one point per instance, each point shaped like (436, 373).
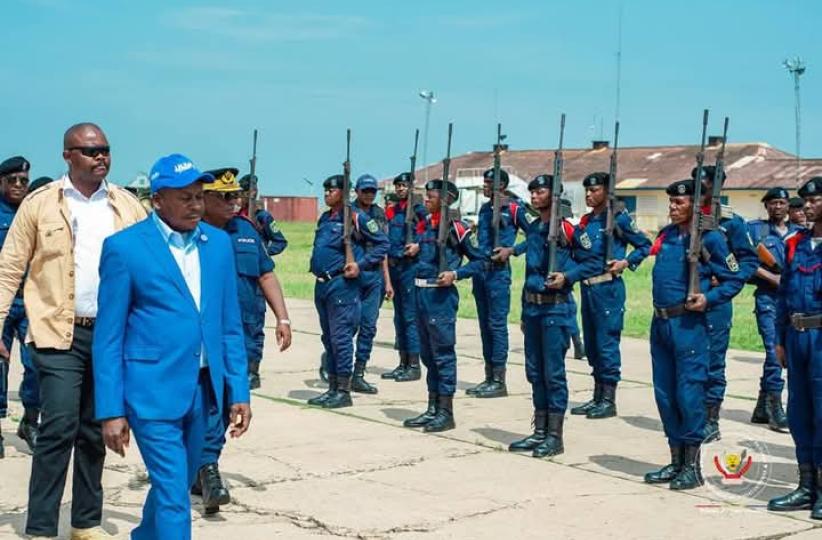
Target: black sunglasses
(92, 151)
(226, 196)
(22, 180)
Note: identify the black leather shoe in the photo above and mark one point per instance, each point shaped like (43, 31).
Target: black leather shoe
(496, 387)
(444, 418)
(358, 382)
(712, 423)
(579, 348)
(323, 371)
(777, 419)
(341, 397)
(803, 497)
(412, 371)
(489, 373)
(816, 512)
(253, 375)
(332, 387)
(552, 445)
(690, 475)
(29, 428)
(397, 370)
(760, 412)
(585, 407)
(668, 472)
(215, 492)
(422, 419)
(606, 406)
(536, 438)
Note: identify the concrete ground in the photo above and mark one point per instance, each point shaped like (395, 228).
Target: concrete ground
(307, 473)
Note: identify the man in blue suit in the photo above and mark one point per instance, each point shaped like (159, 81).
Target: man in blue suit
(168, 344)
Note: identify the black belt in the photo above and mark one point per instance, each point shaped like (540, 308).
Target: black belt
(669, 312)
(803, 321)
(541, 299)
(495, 266)
(85, 322)
(328, 276)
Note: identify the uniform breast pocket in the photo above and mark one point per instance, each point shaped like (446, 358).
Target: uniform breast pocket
(51, 237)
(247, 259)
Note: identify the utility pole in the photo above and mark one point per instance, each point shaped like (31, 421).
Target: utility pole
(796, 67)
(429, 98)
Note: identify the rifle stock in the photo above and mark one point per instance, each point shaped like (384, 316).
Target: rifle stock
(695, 246)
(442, 231)
(555, 222)
(346, 200)
(410, 214)
(496, 198)
(610, 215)
(767, 258)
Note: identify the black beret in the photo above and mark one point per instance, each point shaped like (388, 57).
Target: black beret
(796, 202)
(542, 181)
(503, 176)
(334, 181)
(245, 182)
(708, 173)
(404, 178)
(217, 173)
(14, 165)
(776, 193)
(596, 179)
(436, 185)
(812, 187)
(680, 188)
(40, 182)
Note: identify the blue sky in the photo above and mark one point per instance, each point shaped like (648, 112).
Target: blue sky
(196, 77)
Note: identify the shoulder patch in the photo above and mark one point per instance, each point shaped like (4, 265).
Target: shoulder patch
(273, 227)
(585, 240)
(372, 226)
(732, 263)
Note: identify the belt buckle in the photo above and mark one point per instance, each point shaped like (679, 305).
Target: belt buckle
(662, 312)
(795, 321)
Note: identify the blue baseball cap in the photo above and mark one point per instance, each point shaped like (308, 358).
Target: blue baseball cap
(176, 171)
(366, 181)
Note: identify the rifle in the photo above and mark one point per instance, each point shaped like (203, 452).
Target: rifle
(252, 182)
(610, 213)
(346, 200)
(768, 259)
(716, 187)
(444, 226)
(555, 222)
(410, 215)
(496, 199)
(695, 247)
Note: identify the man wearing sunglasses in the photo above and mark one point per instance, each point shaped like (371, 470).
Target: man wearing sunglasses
(14, 182)
(57, 237)
(255, 275)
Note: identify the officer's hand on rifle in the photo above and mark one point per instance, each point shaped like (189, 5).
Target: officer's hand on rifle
(556, 280)
(696, 302)
(781, 356)
(351, 270)
(617, 267)
(447, 278)
(501, 254)
(389, 291)
(411, 250)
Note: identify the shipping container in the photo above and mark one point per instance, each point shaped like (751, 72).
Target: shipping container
(291, 208)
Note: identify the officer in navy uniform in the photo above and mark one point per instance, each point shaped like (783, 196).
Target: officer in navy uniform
(337, 291)
(263, 220)
(492, 286)
(734, 230)
(14, 183)
(438, 302)
(679, 333)
(402, 223)
(576, 339)
(603, 296)
(546, 320)
(799, 348)
(255, 276)
(769, 237)
(796, 212)
(375, 286)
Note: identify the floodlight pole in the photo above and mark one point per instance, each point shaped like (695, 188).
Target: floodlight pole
(796, 68)
(429, 98)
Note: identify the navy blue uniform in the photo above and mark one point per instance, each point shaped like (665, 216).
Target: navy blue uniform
(603, 303)
(275, 241)
(437, 306)
(372, 294)
(492, 286)
(548, 326)
(680, 350)
(336, 298)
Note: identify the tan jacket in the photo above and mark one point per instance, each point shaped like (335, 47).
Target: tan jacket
(40, 240)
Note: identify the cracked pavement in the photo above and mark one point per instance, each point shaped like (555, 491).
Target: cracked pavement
(357, 473)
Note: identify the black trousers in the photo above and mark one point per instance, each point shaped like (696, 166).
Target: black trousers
(67, 401)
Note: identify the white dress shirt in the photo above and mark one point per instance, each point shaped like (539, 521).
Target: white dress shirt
(92, 221)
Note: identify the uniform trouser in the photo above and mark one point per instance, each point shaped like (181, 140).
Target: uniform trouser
(603, 311)
(765, 311)
(804, 351)
(437, 319)
(546, 342)
(171, 451)
(405, 307)
(338, 305)
(372, 293)
(719, 319)
(492, 293)
(16, 326)
(254, 327)
(679, 357)
(572, 311)
(67, 423)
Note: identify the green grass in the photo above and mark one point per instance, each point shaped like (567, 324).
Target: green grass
(292, 269)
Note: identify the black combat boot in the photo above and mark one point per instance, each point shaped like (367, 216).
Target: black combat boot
(777, 419)
(489, 374)
(397, 370)
(412, 370)
(214, 490)
(536, 438)
(358, 382)
(802, 497)
(253, 375)
(669, 471)
(712, 423)
(332, 387)
(29, 428)
(606, 406)
(444, 418)
(690, 475)
(588, 405)
(760, 412)
(816, 512)
(552, 445)
(579, 348)
(2, 448)
(341, 397)
(422, 419)
(496, 387)
(324, 367)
